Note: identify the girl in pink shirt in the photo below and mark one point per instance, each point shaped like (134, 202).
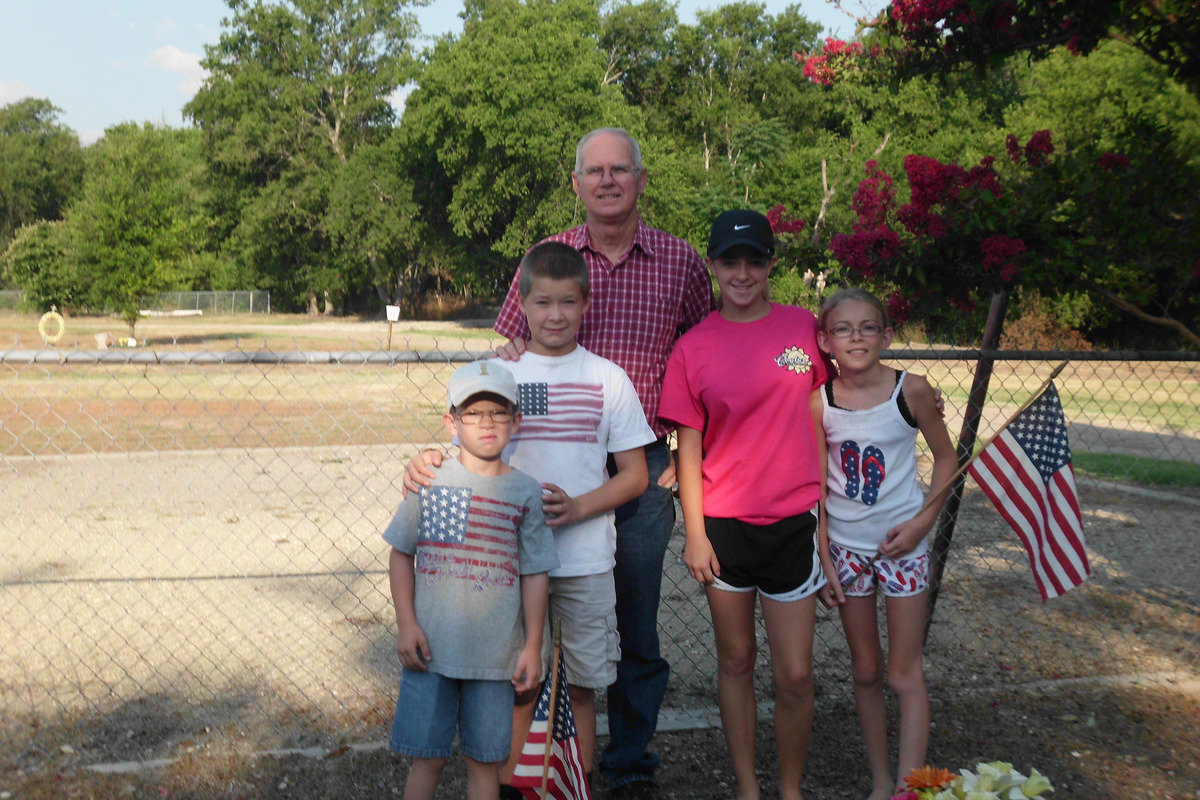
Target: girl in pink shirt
(739, 386)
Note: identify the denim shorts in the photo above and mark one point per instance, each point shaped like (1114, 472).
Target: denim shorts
(431, 707)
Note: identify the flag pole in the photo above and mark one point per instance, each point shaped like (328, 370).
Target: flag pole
(550, 716)
(936, 496)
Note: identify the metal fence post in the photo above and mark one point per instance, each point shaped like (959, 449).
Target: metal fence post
(966, 445)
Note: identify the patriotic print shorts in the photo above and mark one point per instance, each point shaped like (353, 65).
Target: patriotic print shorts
(897, 577)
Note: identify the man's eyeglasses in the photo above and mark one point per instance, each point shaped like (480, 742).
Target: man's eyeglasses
(619, 173)
(867, 330)
(476, 417)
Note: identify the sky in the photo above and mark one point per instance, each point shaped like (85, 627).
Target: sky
(110, 61)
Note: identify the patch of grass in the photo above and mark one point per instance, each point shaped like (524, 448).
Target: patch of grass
(1138, 469)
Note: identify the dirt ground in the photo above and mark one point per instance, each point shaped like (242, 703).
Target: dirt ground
(211, 654)
(225, 609)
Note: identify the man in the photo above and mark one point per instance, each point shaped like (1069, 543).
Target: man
(648, 287)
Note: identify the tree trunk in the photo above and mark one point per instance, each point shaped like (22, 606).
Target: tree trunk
(328, 305)
(312, 304)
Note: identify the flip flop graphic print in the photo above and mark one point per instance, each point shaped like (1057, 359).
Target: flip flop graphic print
(850, 457)
(873, 474)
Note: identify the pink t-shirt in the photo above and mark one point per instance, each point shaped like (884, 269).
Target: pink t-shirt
(747, 387)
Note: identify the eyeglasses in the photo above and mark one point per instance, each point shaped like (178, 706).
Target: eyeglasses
(618, 173)
(476, 417)
(868, 330)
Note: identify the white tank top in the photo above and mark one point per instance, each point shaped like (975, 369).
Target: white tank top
(872, 473)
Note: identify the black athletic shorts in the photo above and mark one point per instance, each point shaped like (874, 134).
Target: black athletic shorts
(777, 559)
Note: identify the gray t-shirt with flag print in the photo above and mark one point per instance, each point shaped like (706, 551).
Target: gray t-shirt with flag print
(472, 537)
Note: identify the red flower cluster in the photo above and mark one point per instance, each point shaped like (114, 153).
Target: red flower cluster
(919, 221)
(898, 308)
(997, 251)
(872, 242)
(865, 250)
(915, 14)
(823, 69)
(936, 184)
(1013, 147)
(1113, 162)
(874, 197)
(783, 222)
(1038, 147)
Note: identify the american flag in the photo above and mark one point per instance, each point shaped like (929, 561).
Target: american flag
(560, 412)
(468, 536)
(1026, 471)
(565, 778)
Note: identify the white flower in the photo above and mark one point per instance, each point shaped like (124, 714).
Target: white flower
(1036, 784)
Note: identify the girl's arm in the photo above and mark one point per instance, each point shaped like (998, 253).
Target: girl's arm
(697, 552)
(830, 594)
(920, 397)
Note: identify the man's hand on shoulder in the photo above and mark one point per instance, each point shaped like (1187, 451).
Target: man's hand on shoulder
(511, 351)
(418, 472)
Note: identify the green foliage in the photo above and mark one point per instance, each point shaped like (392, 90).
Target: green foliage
(40, 165)
(36, 263)
(295, 89)
(985, 33)
(493, 124)
(136, 222)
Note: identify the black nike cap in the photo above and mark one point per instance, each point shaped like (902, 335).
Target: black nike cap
(741, 227)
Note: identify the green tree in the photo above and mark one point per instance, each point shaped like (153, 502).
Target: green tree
(1129, 162)
(374, 222)
(136, 223)
(294, 90)
(493, 124)
(36, 262)
(41, 165)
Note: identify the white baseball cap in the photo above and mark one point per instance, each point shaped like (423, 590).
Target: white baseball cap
(479, 377)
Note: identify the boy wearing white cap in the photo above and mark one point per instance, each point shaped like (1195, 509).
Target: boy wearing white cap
(468, 573)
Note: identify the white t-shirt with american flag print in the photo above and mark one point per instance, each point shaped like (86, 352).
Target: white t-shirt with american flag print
(575, 410)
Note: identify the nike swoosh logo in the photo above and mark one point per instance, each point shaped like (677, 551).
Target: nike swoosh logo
(740, 227)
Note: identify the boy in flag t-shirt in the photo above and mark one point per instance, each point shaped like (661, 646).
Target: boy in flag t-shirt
(467, 570)
(578, 411)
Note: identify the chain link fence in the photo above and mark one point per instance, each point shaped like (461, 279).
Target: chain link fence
(247, 301)
(190, 544)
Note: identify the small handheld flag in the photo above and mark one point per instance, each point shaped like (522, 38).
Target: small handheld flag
(550, 764)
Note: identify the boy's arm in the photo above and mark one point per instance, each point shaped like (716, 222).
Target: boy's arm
(411, 645)
(831, 593)
(629, 482)
(535, 596)
(920, 397)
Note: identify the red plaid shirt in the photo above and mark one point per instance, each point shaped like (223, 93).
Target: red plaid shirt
(639, 306)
